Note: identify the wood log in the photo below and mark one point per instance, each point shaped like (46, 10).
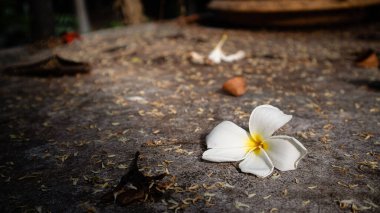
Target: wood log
(275, 6)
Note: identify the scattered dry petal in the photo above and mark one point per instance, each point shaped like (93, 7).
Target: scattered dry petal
(240, 205)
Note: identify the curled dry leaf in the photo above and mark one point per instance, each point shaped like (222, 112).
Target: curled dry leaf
(54, 65)
(368, 60)
(236, 86)
(133, 186)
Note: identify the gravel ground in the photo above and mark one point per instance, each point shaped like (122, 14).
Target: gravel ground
(66, 141)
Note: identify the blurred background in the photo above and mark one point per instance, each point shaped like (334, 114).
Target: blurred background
(27, 21)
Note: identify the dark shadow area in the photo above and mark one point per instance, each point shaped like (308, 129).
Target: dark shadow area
(25, 21)
(293, 21)
(371, 85)
(203, 144)
(373, 36)
(54, 66)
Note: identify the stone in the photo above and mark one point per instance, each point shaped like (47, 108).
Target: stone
(235, 86)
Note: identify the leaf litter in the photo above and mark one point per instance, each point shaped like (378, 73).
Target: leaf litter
(134, 186)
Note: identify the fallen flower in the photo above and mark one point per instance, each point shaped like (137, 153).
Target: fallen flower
(216, 55)
(70, 37)
(259, 151)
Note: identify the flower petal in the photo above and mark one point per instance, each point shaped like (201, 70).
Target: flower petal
(234, 57)
(217, 54)
(197, 58)
(257, 163)
(285, 152)
(224, 155)
(227, 135)
(266, 119)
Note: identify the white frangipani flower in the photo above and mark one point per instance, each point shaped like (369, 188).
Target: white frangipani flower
(217, 55)
(259, 150)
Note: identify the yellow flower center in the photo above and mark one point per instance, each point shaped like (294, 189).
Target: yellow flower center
(255, 143)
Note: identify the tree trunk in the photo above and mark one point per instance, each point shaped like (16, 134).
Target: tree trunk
(132, 11)
(81, 12)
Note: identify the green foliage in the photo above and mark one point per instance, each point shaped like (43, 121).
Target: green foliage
(65, 23)
(116, 23)
(14, 23)
(13, 18)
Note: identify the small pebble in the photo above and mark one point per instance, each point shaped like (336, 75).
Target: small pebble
(236, 86)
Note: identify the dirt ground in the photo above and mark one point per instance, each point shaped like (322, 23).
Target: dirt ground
(65, 141)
